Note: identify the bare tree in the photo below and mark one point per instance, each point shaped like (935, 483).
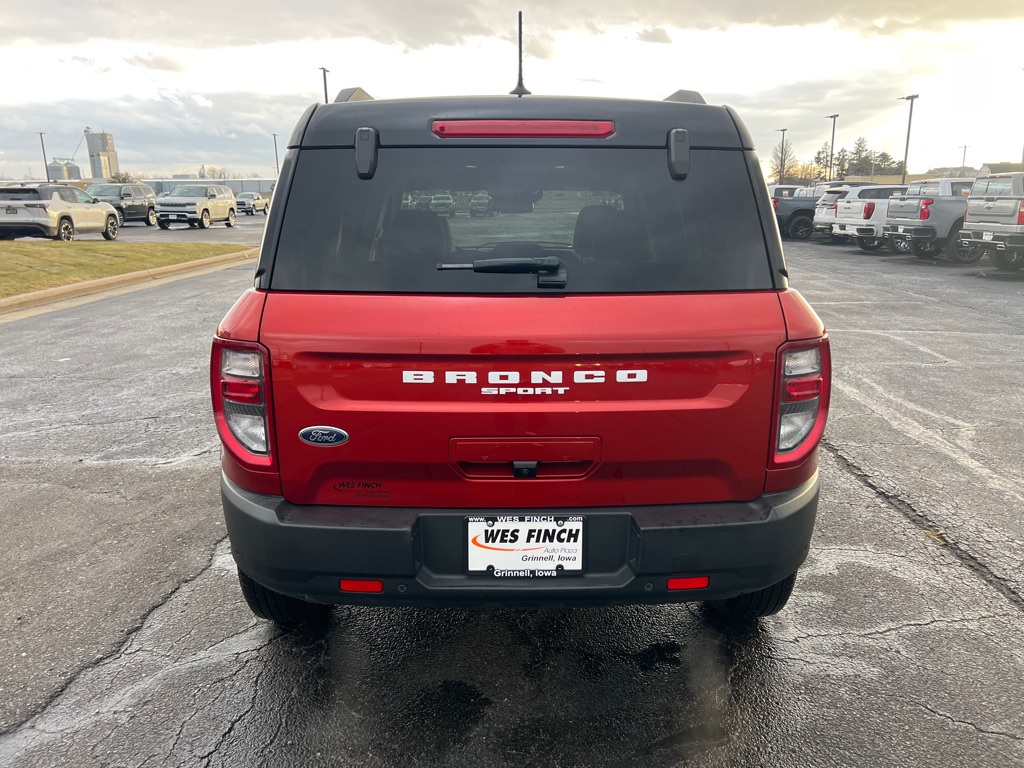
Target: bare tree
(777, 163)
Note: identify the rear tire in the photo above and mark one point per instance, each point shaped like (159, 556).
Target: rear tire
(120, 216)
(897, 246)
(231, 218)
(869, 243)
(112, 228)
(753, 605)
(204, 220)
(273, 606)
(163, 224)
(960, 254)
(150, 217)
(1008, 261)
(800, 227)
(65, 230)
(924, 249)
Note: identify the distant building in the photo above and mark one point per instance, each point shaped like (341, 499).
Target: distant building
(102, 155)
(63, 170)
(988, 168)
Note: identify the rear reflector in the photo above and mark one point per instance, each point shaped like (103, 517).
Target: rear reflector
(689, 582)
(361, 585)
(523, 129)
(242, 391)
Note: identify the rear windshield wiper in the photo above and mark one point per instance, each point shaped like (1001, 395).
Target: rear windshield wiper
(550, 269)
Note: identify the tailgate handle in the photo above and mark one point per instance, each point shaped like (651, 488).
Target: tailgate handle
(524, 458)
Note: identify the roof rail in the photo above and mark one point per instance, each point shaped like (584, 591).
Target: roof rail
(686, 97)
(352, 94)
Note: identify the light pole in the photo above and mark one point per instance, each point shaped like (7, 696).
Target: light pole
(46, 168)
(325, 71)
(782, 155)
(277, 165)
(963, 160)
(906, 150)
(831, 144)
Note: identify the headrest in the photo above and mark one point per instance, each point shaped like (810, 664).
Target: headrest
(416, 236)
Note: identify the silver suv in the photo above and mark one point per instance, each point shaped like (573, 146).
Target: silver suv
(197, 205)
(59, 211)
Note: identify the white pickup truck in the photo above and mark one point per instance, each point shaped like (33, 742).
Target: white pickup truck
(861, 214)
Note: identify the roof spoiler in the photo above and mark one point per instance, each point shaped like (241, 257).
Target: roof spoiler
(352, 94)
(686, 97)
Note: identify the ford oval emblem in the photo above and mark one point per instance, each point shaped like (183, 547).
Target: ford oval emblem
(323, 436)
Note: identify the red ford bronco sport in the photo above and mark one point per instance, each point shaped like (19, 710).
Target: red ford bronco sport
(604, 393)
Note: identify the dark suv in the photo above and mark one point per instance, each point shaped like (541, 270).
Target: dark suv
(608, 395)
(133, 202)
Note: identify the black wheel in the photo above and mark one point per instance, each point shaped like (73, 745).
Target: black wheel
(163, 224)
(231, 218)
(192, 224)
(895, 245)
(204, 220)
(924, 249)
(266, 209)
(869, 243)
(800, 227)
(120, 216)
(112, 228)
(753, 605)
(273, 606)
(1008, 261)
(65, 230)
(150, 217)
(960, 254)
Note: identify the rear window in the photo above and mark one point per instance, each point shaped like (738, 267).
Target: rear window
(831, 197)
(19, 194)
(614, 217)
(993, 187)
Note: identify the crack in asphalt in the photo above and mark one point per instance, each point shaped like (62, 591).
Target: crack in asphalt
(969, 724)
(924, 522)
(892, 629)
(118, 647)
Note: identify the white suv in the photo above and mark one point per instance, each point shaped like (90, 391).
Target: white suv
(197, 205)
(53, 210)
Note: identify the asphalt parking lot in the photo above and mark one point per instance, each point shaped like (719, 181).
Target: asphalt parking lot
(125, 641)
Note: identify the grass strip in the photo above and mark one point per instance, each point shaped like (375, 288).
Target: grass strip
(32, 266)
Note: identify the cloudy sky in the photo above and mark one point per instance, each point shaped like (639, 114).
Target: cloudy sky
(185, 83)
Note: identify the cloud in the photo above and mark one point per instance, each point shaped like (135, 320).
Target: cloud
(654, 35)
(162, 63)
(417, 24)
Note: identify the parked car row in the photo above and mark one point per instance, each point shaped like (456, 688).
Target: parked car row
(959, 219)
(60, 211)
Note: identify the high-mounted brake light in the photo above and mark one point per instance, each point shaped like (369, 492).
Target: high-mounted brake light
(523, 129)
(869, 210)
(926, 212)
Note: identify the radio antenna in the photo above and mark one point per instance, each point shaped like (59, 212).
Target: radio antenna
(520, 89)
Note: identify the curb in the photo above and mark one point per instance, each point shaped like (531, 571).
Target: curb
(47, 295)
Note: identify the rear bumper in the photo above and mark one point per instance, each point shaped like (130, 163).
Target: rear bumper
(856, 230)
(28, 229)
(997, 241)
(910, 232)
(419, 554)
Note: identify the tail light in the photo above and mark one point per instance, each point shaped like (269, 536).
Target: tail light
(835, 210)
(805, 383)
(1020, 214)
(40, 206)
(869, 210)
(775, 204)
(241, 397)
(926, 212)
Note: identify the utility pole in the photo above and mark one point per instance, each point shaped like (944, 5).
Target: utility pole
(831, 144)
(46, 168)
(325, 71)
(910, 120)
(277, 165)
(782, 155)
(963, 160)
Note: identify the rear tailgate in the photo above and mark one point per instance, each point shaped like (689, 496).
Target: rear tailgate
(993, 210)
(850, 210)
(904, 208)
(620, 400)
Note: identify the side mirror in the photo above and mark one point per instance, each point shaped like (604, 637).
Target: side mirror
(212, 196)
(126, 195)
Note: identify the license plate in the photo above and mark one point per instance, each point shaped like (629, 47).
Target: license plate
(525, 546)
(11, 210)
(986, 235)
(900, 229)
